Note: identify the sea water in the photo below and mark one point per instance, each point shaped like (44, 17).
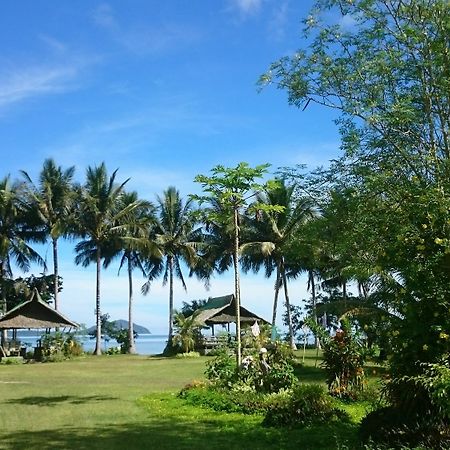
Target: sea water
(146, 344)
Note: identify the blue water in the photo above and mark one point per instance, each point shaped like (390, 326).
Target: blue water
(146, 344)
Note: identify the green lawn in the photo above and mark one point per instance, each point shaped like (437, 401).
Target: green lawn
(129, 402)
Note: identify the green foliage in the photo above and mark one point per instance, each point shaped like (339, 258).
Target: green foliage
(59, 346)
(263, 370)
(308, 404)
(221, 369)
(187, 331)
(343, 360)
(188, 355)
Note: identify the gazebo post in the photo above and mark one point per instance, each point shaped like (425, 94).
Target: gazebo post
(212, 329)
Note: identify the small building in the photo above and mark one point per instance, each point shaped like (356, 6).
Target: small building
(222, 311)
(32, 314)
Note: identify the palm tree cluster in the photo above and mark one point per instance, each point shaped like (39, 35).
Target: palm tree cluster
(272, 231)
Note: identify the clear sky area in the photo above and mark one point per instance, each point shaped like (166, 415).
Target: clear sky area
(163, 91)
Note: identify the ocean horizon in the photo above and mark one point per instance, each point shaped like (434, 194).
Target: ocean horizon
(146, 344)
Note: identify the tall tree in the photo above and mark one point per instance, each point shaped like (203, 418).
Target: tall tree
(132, 246)
(388, 74)
(176, 237)
(18, 228)
(53, 199)
(101, 218)
(274, 232)
(232, 188)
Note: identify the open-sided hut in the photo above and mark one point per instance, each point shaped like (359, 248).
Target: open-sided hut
(222, 310)
(34, 314)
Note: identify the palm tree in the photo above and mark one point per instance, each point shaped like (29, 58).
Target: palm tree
(133, 246)
(102, 218)
(53, 199)
(18, 227)
(177, 238)
(187, 331)
(273, 235)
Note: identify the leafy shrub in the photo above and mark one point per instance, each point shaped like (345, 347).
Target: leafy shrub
(419, 410)
(308, 404)
(188, 355)
(11, 360)
(221, 370)
(388, 427)
(241, 399)
(60, 346)
(343, 360)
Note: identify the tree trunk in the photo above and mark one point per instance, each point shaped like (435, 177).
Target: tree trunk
(312, 283)
(288, 308)
(4, 334)
(55, 273)
(275, 302)
(170, 337)
(98, 338)
(132, 345)
(237, 288)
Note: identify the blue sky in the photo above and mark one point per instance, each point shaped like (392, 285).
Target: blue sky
(163, 91)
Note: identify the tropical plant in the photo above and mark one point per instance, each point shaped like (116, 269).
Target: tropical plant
(18, 227)
(187, 331)
(176, 237)
(231, 189)
(274, 233)
(101, 219)
(132, 245)
(53, 199)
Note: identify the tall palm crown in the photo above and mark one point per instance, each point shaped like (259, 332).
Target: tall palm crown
(101, 217)
(176, 237)
(273, 234)
(133, 246)
(18, 227)
(53, 199)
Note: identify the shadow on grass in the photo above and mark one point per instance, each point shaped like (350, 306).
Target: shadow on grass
(196, 433)
(54, 401)
(309, 374)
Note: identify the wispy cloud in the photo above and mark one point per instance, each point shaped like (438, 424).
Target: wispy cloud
(247, 7)
(279, 19)
(141, 39)
(31, 82)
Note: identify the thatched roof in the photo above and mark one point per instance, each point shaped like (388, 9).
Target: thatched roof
(223, 310)
(35, 313)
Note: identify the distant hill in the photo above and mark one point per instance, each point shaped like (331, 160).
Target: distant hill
(123, 324)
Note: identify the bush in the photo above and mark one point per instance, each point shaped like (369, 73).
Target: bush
(343, 360)
(419, 410)
(59, 346)
(388, 427)
(240, 399)
(188, 355)
(308, 404)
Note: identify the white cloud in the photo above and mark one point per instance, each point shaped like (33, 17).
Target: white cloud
(31, 82)
(248, 6)
(143, 40)
(279, 20)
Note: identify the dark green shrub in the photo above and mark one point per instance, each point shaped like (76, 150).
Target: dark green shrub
(418, 413)
(221, 369)
(343, 360)
(308, 404)
(60, 346)
(240, 399)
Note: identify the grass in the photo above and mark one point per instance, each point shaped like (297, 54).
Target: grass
(117, 402)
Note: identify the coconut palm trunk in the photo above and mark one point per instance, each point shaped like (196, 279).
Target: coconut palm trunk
(288, 307)
(275, 299)
(55, 272)
(170, 336)
(98, 339)
(312, 284)
(131, 343)
(237, 289)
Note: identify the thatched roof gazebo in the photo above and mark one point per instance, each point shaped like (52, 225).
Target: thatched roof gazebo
(222, 310)
(34, 314)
